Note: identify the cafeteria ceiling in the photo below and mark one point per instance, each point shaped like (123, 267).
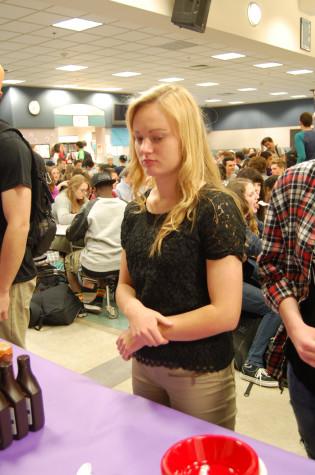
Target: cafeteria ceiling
(138, 36)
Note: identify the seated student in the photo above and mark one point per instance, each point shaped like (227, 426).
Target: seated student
(122, 164)
(255, 177)
(253, 369)
(67, 204)
(229, 165)
(77, 163)
(99, 224)
(268, 158)
(278, 166)
(56, 184)
(124, 187)
(259, 164)
(269, 184)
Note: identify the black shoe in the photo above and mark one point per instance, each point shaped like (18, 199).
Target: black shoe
(258, 375)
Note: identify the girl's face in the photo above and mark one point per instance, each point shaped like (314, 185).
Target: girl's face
(55, 173)
(251, 197)
(82, 191)
(156, 143)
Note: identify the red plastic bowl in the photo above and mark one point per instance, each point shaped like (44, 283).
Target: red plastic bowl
(210, 455)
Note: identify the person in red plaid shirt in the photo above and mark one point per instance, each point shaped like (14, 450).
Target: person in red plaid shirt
(287, 270)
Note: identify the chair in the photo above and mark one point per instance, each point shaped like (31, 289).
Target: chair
(110, 279)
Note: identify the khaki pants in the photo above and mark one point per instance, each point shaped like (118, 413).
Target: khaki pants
(208, 396)
(14, 329)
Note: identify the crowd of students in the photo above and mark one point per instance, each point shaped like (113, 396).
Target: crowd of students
(190, 226)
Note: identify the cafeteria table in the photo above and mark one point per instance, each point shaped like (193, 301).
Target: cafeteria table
(117, 433)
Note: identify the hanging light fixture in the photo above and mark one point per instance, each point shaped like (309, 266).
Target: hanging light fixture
(254, 13)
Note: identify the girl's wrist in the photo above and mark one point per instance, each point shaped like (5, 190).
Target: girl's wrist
(132, 308)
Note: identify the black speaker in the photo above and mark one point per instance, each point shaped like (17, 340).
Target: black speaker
(191, 14)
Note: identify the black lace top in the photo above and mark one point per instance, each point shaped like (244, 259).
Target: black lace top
(175, 281)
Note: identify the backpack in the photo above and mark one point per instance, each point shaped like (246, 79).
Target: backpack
(54, 306)
(42, 224)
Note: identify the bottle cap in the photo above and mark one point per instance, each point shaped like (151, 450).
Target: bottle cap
(6, 352)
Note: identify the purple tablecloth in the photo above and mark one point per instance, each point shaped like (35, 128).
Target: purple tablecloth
(116, 432)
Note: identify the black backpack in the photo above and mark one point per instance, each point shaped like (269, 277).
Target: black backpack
(54, 306)
(42, 226)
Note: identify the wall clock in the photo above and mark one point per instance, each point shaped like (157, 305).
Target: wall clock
(34, 107)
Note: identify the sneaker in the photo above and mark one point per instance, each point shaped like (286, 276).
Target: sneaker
(93, 307)
(258, 375)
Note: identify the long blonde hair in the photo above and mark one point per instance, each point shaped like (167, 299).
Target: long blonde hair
(197, 168)
(73, 185)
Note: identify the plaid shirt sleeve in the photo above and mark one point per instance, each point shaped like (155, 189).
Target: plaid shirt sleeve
(274, 261)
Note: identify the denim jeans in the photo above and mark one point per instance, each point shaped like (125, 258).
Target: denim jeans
(253, 301)
(303, 403)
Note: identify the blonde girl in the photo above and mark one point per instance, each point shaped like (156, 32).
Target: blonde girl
(180, 282)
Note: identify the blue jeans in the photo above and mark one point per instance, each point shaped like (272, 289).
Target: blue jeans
(303, 403)
(253, 302)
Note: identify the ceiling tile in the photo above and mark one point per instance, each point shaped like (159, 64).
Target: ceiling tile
(42, 18)
(35, 4)
(13, 13)
(6, 35)
(25, 40)
(31, 48)
(131, 47)
(133, 36)
(20, 27)
(109, 30)
(64, 11)
(107, 42)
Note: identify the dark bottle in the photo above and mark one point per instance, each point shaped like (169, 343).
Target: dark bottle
(6, 436)
(16, 400)
(33, 393)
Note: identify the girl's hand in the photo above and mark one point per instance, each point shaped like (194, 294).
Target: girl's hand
(127, 345)
(144, 325)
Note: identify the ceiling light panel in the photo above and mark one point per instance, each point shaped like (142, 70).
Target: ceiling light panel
(13, 81)
(171, 79)
(280, 93)
(299, 96)
(236, 102)
(213, 100)
(77, 24)
(228, 56)
(247, 89)
(126, 74)
(296, 72)
(207, 84)
(71, 68)
(268, 65)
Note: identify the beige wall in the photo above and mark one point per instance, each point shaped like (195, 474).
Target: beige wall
(236, 139)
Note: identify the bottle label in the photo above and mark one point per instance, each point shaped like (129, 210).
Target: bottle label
(13, 421)
(29, 411)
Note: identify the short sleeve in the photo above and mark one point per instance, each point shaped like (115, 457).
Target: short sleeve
(16, 164)
(127, 222)
(222, 229)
